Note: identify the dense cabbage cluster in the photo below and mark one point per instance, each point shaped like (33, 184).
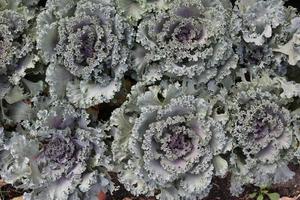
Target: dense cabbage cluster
(158, 96)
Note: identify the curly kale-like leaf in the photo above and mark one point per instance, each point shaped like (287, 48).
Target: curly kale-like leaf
(189, 39)
(290, 48)
(58, 156)
(255, 20)
(135, 9)
(166, 139)
(15, 101)
(16, 46)
(88, 50)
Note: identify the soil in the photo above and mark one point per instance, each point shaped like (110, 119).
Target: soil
(8, 192)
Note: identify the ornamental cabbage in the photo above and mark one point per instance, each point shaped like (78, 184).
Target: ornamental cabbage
(291, 46)
(166, 140)
(257, 26)
(263, 132)
(191, 39)
(87, 45)
(57, 156)
(17, 57)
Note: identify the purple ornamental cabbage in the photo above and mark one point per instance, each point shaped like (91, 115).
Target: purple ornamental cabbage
(263, 131)
(257, 26)
(166, 140)
(87, 44)
(191, 39)
(58, 157)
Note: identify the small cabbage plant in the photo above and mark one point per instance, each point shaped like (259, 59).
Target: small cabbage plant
(257, 26)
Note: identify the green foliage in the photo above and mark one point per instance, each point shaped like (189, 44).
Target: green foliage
(264, 194)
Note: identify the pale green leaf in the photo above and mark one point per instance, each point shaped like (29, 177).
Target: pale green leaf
(273, 196)
(260, 197)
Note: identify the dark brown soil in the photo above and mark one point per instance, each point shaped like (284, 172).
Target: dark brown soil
(8, 192)
(220, 190)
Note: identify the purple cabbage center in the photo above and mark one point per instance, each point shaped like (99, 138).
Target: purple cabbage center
(185, 34)
(59, 150)
(180, 143)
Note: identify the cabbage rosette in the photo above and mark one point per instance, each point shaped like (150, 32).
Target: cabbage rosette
(87, 44)
(166, 141)
(263, 131)
(58, 156)
(189, 39)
